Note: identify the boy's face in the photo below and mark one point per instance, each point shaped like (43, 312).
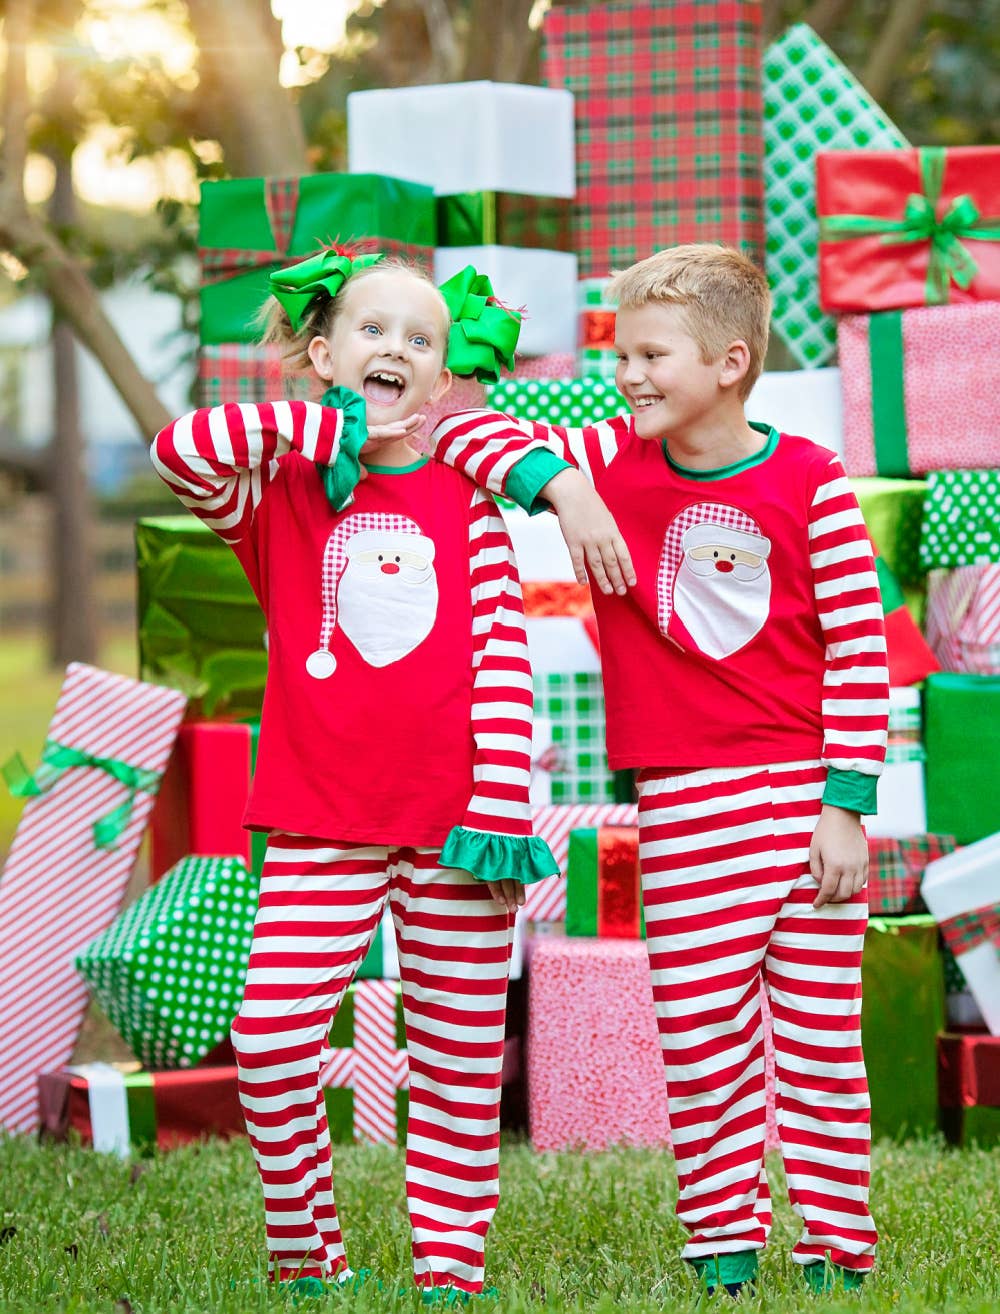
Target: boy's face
(388, 344)
(660, 372)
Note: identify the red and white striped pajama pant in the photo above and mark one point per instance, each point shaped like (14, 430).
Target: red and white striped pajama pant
(320, 905)
(728, 900)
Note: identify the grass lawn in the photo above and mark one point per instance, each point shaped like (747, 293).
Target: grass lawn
(183, 1232)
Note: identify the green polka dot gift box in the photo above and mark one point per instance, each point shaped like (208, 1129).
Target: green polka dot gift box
(571, 403)
(169, 971)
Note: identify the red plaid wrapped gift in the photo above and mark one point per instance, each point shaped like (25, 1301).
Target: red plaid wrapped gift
(246, 372)
(668, 124)
(896, 868)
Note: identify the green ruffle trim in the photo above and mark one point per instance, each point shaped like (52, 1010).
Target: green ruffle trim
(340, 479)
(491, 857)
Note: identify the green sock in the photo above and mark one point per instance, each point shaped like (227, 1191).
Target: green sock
(726, 1270)
(822, 1275)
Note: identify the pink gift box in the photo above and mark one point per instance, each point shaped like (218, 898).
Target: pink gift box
(913, 390)
(963, 618)
(595, 1074)
(60, 888)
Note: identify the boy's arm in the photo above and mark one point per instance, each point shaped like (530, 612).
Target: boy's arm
(495, 840)
(855, 683)
(539, 465)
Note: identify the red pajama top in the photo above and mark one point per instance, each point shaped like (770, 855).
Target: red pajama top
(754, 634)
(398, 697)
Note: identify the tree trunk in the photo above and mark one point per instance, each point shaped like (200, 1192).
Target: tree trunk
(899, 30)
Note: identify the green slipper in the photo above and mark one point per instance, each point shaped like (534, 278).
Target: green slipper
(822, 1275)
(454, 1296)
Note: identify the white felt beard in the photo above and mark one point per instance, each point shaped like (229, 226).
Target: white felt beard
(721, 612)
(386, 616)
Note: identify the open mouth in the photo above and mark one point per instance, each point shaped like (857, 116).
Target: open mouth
(383, 387)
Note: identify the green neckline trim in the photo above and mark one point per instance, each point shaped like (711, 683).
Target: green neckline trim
(396, 469)
(736, 467)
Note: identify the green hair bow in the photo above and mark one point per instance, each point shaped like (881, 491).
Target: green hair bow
(298, 286)
(483, 332)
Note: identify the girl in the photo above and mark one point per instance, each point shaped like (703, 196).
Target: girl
(394, 749)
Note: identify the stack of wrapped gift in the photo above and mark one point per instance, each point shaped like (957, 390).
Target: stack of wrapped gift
(499, 159)
(248, 227)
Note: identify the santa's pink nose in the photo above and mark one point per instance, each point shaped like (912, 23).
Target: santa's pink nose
(389, 568)
(724, 566)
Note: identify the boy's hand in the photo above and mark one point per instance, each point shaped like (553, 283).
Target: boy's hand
(838, 856)
(590, 531)
(509, 893)
(381, 434)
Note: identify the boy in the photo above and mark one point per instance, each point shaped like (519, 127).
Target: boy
(745, 677)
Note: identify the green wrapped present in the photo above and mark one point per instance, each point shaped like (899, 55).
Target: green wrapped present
(574, 704)
(893, 510)
(961, 738)
(571, 403)
(812, 103)
(249, 226)
(961, 522)
(504, 219)
(902, 1013)
(603, 892)
(169, 971)
(201, 629)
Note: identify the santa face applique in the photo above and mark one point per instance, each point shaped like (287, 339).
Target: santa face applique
(714, 578)
(379, 587)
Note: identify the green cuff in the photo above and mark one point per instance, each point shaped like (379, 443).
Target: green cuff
(340, 479)
(852, 790)
(726, 1270)
(824, 1276)
(491, 857)
(527, 479)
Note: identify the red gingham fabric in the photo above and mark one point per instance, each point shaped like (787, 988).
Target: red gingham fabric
(668, 124)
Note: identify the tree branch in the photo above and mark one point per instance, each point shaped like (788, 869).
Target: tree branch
(17, 21)
(824, 15)
(902, 24)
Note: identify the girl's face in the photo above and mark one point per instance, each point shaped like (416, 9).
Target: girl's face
(388, 344)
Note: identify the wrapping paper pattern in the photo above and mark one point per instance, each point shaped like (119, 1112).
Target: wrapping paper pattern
(54, 866)
(961, 891)
(169, 971)
(570, 402)
(595, 1074)
(896, 868)
(812, 102)
(667, 124)
(245, 372)
(893, 511)
(545, 901)
(913, 390)
(504, 218)
(574, 703)
(368, 1059)
(603, 890)
(596, 354)
(961, 526)
(963, 618)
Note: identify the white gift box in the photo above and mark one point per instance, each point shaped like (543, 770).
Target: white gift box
(962, 882)
(543, 283)
(466, 137)
(902, 806)
(804, 402)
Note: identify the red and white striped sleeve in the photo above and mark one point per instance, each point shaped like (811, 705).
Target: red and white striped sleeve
(489, 447)
(219, 460)
(495, 839)
(849, 608)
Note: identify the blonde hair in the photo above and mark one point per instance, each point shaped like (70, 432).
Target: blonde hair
(723, 296)
(275, 328)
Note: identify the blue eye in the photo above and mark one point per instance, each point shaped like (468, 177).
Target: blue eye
(371, 328)
(419, 340)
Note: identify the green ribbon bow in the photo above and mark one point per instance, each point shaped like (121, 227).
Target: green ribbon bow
(298, 285)
(483, 333)
(949, 261)
(59, 758)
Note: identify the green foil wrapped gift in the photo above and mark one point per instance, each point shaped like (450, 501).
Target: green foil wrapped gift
(200, 627)
(893, 510)
(504, 219)
(249, 226)
(962, 741)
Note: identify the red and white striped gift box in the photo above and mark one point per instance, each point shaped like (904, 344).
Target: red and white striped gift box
(546, 901)
(963, 618)
(59, 889)
(375, 1069)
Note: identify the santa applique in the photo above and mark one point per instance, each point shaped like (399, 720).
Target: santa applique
(713, 579)
(379, 588)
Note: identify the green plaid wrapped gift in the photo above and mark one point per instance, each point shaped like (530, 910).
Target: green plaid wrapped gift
(249, 226)
(961, 521)
(574, 703)
(571, 403)
(668, 132)
(812, 102)
(169, 971)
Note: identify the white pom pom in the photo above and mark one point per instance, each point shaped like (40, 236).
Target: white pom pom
(321, 664)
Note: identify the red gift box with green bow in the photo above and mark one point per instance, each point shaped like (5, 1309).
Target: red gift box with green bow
(904, 228)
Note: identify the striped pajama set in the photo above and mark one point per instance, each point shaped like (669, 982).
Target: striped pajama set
(745, 678)
(392, 770)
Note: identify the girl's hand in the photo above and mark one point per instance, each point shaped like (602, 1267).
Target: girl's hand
(838, 856)
(380, 434)
(591, 532)
(509, 893)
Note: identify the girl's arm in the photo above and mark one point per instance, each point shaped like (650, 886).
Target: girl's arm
(495, 840)
(540, 465)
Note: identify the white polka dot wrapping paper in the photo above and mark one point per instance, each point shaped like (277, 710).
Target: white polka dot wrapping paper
(61, 887)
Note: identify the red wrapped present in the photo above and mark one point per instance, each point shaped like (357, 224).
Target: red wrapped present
(545, 901)
(917, 227)
(896, 867)
(969, 1086)
(603, 893)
